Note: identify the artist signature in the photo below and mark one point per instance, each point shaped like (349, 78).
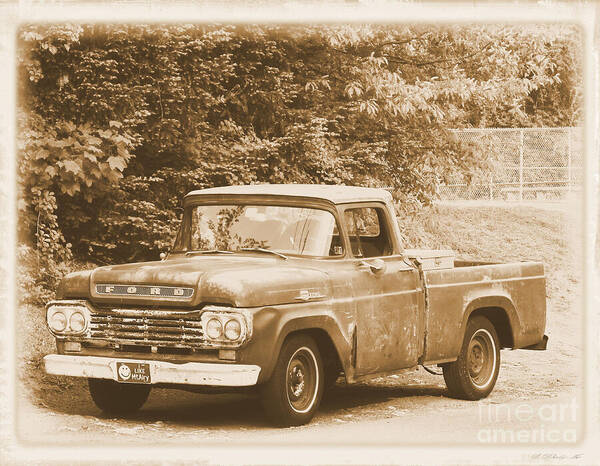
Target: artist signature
(555, 456)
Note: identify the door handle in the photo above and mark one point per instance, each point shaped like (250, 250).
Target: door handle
(376, 266)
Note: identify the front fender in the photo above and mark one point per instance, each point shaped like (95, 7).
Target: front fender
(74, 285)
(272, 325)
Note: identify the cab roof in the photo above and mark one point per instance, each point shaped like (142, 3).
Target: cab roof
(333, 193)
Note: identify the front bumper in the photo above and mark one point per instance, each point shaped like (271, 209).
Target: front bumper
(192, 373)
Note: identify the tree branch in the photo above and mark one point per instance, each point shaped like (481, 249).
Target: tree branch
(400, 42)
(457, 61)
(406, 61)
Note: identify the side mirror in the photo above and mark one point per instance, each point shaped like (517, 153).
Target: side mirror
(163, 256)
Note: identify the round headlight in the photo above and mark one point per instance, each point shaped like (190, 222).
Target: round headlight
(77, 322)
(214, 328)
(233, 329)
(57, 321)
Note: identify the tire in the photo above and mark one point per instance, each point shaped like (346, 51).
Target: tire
(118, 398)
(293, 393)
(330, 376)
(473, 375)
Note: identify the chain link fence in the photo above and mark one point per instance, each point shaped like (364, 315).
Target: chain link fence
(522, 164)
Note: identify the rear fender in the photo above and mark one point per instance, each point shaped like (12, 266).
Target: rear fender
(493, 304)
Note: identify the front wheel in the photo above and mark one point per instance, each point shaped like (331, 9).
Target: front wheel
(473, 375)
(293, 393)
(118, 398)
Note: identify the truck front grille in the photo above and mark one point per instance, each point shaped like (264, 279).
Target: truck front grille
(174, 331)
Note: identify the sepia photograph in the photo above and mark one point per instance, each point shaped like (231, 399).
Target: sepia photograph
(350, 230)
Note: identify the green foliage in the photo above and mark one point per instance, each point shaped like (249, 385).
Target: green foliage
(118, 122)
(42, 264)
(37, 277)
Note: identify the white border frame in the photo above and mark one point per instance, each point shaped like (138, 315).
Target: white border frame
(585, 15)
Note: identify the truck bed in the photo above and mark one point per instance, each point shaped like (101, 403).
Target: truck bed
(511, 295)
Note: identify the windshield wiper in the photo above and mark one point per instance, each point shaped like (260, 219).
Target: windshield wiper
(268, 251)
(208, 251)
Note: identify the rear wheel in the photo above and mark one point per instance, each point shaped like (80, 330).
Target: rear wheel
(473, 375)
(118, 398)
(293, 393)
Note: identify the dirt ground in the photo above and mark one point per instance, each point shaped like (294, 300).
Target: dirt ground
(405, 409)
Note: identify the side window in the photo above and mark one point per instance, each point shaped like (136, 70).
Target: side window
(336, 248)
(368, 233)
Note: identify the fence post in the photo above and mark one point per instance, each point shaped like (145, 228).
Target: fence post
(569, 155)
(521, 164)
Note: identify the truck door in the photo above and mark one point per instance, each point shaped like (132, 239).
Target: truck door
(387, 293)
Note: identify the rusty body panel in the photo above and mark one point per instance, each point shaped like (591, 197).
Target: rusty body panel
(388, 318)
(227, 279)
(381, 314)
(517, 290)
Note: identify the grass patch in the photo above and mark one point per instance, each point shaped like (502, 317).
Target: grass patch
(503, 234)
(33, 342)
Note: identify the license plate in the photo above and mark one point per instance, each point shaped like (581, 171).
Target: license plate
(133, 372)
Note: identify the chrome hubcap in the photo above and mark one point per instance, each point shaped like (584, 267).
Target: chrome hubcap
(302, 380)
(297, 381)
(476, 359)
(481, 358)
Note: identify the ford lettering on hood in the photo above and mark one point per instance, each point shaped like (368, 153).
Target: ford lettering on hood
(145, 290)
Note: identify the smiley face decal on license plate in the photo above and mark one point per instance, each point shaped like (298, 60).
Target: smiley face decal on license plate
(133, 372)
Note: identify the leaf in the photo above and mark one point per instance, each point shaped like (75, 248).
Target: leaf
(93, 140)
(95, 172)
(51, 171)
(310, 86)
(117, 163)
(70, 188)
(123, 152)
(90, 157)
(94, 149)
(72, 167)
(114, 176)
(41, 154)
(61, 143)
(354, 89)
(29, 35)
(115, 124)
(52, 49)
(69, 126)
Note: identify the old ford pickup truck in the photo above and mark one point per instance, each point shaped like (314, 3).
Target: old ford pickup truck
(285, 288)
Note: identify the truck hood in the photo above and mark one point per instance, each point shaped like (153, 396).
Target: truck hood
(238, 280)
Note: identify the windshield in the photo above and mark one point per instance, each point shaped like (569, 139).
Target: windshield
(288, 230)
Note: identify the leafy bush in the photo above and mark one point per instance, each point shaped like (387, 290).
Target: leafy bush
(118, 122)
